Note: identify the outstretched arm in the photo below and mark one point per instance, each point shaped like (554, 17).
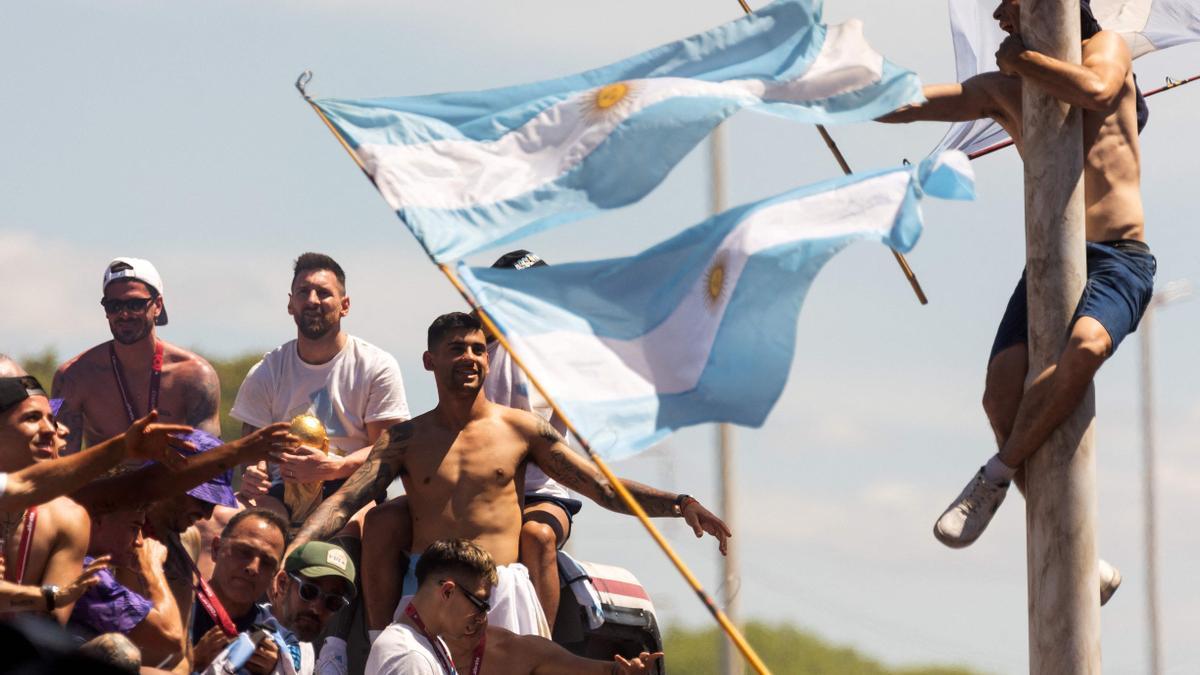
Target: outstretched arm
(972, 99)
(1095, 84)
(551, 659)
(367, 482)
(42, 481)
(156, 482)
(550, 452)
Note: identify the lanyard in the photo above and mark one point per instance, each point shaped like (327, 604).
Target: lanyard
(28, 523)
(446, 660)
(205, 595)
(155, 380)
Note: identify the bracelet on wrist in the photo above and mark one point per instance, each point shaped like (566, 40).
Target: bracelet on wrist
(681, 502)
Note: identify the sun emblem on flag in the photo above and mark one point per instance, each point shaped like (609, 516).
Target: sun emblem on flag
(715, 281)
(610, 100)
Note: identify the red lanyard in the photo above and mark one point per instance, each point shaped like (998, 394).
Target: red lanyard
(446, 660)
(205, 595)
(155, 380)
(17, 575)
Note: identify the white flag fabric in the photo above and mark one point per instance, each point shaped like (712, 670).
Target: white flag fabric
(1147, 25)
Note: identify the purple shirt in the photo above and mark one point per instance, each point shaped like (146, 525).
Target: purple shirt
(109, 606)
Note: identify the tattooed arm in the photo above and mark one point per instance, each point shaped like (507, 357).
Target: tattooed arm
(202, 398)
(560, 462)
(71, 412)
(368, 481)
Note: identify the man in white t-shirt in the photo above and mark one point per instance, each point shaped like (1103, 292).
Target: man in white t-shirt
(353, 387)
(454, 585)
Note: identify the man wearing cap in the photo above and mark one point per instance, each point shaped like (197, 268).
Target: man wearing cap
(112, 384)
(318, 580)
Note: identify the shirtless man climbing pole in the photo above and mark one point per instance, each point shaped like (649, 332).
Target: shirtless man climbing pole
(1120, 267)
(462, 463)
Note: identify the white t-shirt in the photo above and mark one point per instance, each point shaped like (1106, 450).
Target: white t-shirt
(506, 385)
(401, 650)
(3, 483)
(361, 384)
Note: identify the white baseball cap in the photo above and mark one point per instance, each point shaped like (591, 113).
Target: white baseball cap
(140, 270)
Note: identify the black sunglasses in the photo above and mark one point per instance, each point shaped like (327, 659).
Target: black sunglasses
(114, 306)
(310, 591)
(482, 606)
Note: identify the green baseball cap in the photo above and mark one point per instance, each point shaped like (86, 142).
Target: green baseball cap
(318, 559)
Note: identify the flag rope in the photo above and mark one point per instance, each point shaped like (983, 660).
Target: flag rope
(630, 502)
(845, 166)
(1171, 84)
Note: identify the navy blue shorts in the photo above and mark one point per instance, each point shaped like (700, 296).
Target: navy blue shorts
(1119, 287)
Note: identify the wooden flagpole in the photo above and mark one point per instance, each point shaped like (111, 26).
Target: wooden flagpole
(626, 497)
(845, 166)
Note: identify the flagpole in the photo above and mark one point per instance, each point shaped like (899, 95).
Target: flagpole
(841, 160)
(627, 497)
(622, 492)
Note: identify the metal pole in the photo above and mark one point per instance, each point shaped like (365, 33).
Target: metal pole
(1060, 512)
(1154, 646)
(733, 664)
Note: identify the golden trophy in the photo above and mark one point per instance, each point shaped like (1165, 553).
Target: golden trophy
(302, 499)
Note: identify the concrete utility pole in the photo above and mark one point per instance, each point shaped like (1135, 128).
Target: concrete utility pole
(1060, 511)
(730, 658)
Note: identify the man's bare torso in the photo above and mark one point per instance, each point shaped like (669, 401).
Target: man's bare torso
(56, 552)
(466, 484)
(1112, 157)
(93, 398)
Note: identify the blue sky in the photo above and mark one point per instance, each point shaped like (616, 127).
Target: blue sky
(171, 131)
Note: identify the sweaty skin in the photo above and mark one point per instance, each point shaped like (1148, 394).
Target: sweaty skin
(1102, 86)
(463, 463)
(506, 653)
(92, 407)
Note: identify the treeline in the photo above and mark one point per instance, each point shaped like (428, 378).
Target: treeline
(786, 650)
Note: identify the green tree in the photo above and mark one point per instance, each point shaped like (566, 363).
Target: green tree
(785, 649)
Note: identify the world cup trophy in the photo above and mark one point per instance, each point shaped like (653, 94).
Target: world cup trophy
(303, 498)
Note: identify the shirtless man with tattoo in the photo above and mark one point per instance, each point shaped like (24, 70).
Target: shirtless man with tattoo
(462, 464)
(1120, 267)
(112, 384)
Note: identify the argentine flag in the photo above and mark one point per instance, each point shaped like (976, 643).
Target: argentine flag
(1146, 25)
(702, 327)
(469, 170)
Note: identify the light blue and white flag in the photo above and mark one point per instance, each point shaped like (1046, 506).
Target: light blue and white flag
(702, 327)
(1146, 25)
(468, 170)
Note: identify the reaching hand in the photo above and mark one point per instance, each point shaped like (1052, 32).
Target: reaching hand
(702, 520)
(90, 577)
(269, 442)
(641, 664)
(157, 442)
(256, 480)
(307, 464)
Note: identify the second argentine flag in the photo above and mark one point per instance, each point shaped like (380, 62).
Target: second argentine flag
(468, 170)
(702, 327)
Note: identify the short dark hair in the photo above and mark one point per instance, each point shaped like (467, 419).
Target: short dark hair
(312, 262)
(448, 323)
(459, 558)
(268, 515)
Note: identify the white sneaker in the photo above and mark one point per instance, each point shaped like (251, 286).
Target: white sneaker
(1110, 581)
(968, 516)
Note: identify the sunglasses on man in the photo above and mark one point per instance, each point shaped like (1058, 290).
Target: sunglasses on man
(310, 591)
(482, 606)
(114, 306)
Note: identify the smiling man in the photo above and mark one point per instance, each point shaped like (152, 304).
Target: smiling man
(114, 383)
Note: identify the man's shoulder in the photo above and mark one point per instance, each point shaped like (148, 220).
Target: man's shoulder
(85, 361)
(272, 362)
(65, 512)
(370, 353)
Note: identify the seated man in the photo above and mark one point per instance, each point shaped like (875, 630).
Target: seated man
(445, 624)
(462, 463)
(318, 581)
(134, 599)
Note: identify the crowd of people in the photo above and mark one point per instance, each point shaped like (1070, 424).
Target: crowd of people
(128, 544)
